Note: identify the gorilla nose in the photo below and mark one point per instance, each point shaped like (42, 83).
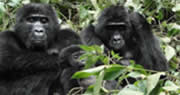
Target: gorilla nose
(117, 38)
(39, 32)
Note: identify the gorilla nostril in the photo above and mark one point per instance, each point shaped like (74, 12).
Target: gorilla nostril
(117, 39)
(39, 30)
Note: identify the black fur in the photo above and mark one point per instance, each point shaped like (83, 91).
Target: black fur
(27, 69)
(71, 64)
(136, 40)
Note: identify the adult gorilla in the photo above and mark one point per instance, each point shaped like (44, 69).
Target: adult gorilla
(26, 67)
(129, 35)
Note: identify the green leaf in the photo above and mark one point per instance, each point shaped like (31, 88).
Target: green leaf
(44, 1)
(113, 71)
(2, 9)
(87, 48)
(89, 90)
(176, 8)
(166, 39)
(98, 83)
(130, 90)
(88, 72)
(95, 4)
(169, 52)
(83, 12)
(178, 48)
(173, 29)
(152, 81)
(106, 60)
(26, 1)
(160, 15)
(14, 3)
(175, 26)
(141, 85)
(170, 86)
(91, 60)
(115, 55)
(136, 75)
(162, 93)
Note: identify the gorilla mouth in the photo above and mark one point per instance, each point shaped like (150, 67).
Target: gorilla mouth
(37, 41)
(37, 44)
(116, 44)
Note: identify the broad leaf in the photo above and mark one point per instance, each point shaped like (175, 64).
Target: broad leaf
(152, 81)
(88, 72)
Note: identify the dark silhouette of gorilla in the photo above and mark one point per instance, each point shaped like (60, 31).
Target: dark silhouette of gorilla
(129, 35)
(71, 63)
(27, 63)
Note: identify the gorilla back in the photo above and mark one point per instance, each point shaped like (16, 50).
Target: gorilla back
(129, 35)
(26, 68)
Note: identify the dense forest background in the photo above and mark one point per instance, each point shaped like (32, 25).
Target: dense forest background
(163, 15)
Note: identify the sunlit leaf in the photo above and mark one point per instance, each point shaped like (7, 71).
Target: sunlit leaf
(136, 75)
(169, 52)
(98, 83)
(2, 9)
(152, 81)
(88, 72)
(170, 86)
(14, 3)
(176, 8)
(26, 1)
(166, 39)
(178, 48)
(130, 90)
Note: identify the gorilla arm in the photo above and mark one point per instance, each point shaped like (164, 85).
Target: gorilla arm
(149, 47)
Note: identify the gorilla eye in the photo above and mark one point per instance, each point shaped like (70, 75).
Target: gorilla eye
(110, 27)
(31, 19)
(44, 20)
(122, 27)
(75, 56)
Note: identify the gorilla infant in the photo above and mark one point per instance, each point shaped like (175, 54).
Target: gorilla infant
(129, 35)
(27, 66)
(70, 58)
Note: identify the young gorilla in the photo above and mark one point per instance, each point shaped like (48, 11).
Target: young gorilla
(71, 63)
(26, 68)
(129, 35)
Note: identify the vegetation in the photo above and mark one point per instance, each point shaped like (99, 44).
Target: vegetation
(163, 15)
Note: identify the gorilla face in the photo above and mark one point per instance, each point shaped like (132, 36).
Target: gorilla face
(38, 30)
(70, 57)
(116, 30)
(74, 59)
(114, 27)
(115, 34)
(37, 27)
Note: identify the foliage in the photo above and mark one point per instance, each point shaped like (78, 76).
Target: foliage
(148, 82)
(163, 15)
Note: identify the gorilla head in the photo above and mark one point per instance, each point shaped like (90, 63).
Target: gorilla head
(116, 25)
(70, 56)
(36, 25)
(128, 34)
